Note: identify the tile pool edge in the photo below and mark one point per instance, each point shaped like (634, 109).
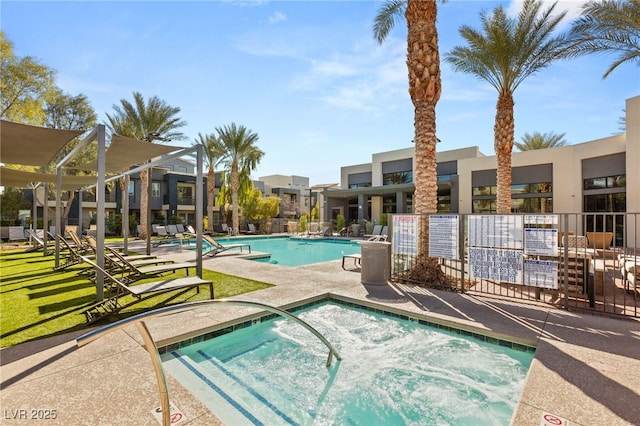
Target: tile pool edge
(487, 336)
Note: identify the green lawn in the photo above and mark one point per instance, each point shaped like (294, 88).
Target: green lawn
(36, 301)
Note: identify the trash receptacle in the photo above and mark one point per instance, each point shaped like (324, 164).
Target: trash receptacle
(376, 262)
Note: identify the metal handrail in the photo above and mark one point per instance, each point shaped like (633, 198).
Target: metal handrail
(152, 349)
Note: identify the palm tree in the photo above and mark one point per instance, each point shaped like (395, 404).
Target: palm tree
(240, 156)
(423, 64)
(540, 141)
(509, 51)
(609, 26)
(212, 156)
(152, 121)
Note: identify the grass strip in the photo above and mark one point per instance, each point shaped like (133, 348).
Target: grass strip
(36, 301)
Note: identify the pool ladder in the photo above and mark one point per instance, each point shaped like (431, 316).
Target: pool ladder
(152, 349)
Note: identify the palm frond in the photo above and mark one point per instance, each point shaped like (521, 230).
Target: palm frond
(386, 18)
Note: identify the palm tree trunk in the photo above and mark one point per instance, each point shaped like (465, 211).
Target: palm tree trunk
(504, 131)
(423, 63)
(211, 187)
(235, 187)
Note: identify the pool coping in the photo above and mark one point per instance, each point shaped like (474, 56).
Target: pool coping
(586, 368)
(248, 321)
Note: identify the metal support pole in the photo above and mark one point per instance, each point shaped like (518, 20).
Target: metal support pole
(199, 208)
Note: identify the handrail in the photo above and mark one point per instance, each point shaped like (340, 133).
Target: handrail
(152, 349)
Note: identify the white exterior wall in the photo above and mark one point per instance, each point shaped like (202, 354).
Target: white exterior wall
(633, 154)
(350, 170)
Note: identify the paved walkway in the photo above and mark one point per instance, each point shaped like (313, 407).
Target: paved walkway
(586, 368)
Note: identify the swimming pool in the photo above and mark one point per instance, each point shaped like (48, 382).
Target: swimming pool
(393, 371)
(288, 251)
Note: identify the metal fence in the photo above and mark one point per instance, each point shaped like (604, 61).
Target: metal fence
(578, 261)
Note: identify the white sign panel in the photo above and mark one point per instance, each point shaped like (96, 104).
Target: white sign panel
(541, 241)
(443, 236)
(541, 273)
(496, 264)
(503, 231)
(405, 234)
(541, 219)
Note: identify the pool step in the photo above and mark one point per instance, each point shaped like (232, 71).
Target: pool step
(233, 401)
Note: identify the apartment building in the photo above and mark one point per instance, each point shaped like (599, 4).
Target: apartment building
(601, 175)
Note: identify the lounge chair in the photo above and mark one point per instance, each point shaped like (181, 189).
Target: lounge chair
(91, 242)
(37, 240)
(375, 233)
(119, 288)
(81, 246)
(384, 234)
(132, 272)
(324, 232)
(71, 254)
(251, 229)
(218, 248)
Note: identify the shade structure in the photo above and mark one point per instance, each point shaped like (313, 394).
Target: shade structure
(23, 179)
(123, 153)
(32, 146)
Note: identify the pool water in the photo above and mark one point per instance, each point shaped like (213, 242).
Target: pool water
(393, 372)
(296, 251)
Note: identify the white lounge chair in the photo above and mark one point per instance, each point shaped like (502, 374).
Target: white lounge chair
(218, 248)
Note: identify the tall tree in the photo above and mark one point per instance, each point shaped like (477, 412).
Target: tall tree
(539, 140)
(240, 156)
(68, 112)
(423, 65)
(151, 121)
(504, 55)
(609, 26)
(25, 85)
(213, 157)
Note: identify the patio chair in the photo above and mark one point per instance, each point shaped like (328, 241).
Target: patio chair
(37, 240)
(251, 229)
(218, 248)
(132, 272)
(91, 242)
(324, 232)
(118, 289)
(80, 245)
(172, 230)
(377, 229)
(71, 254)
(630, 269)
(384, 234)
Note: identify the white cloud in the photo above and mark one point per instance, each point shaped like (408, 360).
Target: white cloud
(366, 78)
(277, 17)
(573, 8)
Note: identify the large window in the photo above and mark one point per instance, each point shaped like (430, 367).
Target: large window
(527, 198)
(397, 178)
(531, 190)
(185, 195)
(397, 172)
(604, 190)
(359, 180)
(444, 194)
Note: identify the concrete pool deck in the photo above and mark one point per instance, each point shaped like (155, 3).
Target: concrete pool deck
(586, 368)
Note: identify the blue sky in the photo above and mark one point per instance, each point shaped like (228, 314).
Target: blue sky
(306, 76)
